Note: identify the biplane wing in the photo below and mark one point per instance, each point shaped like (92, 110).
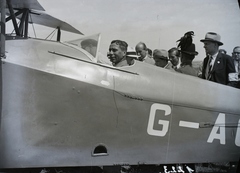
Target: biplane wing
(61, 108)
(29, 4)
(44, 19)
(38, 16)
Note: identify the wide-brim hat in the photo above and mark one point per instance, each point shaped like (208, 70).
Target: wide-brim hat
(190, 50)
(131, 53)
(213, 37)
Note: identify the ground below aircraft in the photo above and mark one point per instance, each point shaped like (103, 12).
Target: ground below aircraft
(63, 110)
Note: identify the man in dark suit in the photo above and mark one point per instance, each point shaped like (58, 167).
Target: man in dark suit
(236, 60)
(217, 67)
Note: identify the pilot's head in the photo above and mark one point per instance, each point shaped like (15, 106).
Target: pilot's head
(117, 51)
(160, 57)
(141, 50)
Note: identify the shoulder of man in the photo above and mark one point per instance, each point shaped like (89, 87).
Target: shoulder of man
(149, 60)
(149, 56)
(224, 56)
(122, 63)
(225, 59)
(179, 69)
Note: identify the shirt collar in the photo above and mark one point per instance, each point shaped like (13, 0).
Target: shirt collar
(214, 56)
(168, 64)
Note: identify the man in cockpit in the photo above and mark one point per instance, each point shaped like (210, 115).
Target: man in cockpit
(117, 53)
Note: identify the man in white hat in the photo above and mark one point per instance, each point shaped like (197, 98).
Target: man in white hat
(217, 67)
(131, 55)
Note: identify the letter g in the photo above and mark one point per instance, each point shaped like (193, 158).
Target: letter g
(164, 123)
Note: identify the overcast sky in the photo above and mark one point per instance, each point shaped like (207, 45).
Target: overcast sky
(158, 23)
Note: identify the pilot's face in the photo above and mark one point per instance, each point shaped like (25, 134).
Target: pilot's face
(141, 52)
(211, 48)
(116, 54)
(236, 54)
(173, 58)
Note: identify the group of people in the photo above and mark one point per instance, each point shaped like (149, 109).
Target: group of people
(217, 66)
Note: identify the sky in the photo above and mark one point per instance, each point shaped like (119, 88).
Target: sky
(158, 23)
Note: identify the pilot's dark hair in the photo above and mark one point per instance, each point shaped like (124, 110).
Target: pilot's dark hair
(122, 44)
(89, 42)
(174, 49)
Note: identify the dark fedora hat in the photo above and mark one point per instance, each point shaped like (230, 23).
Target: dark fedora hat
(190, 50)
(212, 37)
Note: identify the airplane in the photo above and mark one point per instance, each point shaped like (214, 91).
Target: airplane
(61, 107)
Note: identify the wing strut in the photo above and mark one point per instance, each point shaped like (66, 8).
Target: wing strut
(22, 29)
(2, 28)
(2, 48)
(58, 33)
(13, 17)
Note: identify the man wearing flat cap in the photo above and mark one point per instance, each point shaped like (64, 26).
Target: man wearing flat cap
(160, 57)
(217, 67)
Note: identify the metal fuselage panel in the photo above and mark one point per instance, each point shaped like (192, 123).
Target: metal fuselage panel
(56, 110)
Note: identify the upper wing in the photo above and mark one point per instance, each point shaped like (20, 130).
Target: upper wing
(30, 4)
(42, 18)
(38, 16)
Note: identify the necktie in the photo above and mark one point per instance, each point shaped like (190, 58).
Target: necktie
(238, 70)
(210, 67)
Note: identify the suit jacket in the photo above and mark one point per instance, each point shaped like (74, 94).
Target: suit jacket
(223, 65)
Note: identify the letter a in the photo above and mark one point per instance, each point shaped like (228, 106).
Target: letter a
(221, 135)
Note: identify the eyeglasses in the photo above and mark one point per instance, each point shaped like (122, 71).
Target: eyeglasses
(236, 53)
